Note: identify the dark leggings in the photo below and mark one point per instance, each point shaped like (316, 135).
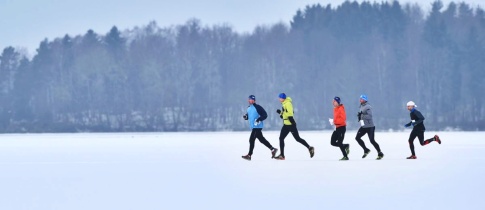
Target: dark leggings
(337, 139)
(420, 135)
(257, 133)
(285, 130)
(370, 133)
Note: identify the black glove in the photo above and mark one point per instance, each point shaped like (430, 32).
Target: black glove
(257, 120)
(292, 120)
(245, 117)
(359, 115)
(281, 116)
(278, 111)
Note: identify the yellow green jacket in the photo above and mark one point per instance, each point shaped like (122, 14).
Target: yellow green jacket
(286, 111)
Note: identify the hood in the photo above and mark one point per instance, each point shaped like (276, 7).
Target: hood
(287, 100)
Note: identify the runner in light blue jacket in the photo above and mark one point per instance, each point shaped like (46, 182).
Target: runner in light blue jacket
(255, 116)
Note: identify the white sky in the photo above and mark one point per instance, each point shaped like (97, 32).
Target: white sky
(24, 23)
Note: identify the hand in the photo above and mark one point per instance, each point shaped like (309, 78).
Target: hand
(361, 123)
(359, 115)
(245, 117)
(407, 125)
(330, 120)
(257, 122)
(414, 124)
(278, 111)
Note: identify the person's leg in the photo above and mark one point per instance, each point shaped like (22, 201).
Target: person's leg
(284, 132)
(427, 141)
(340, 140)
(361, 132)
(412, 136)
(260, 137)
(372, 140)
(252, 138)
(294, 132)
(334, 139)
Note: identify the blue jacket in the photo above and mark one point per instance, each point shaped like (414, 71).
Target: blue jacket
(256, 112)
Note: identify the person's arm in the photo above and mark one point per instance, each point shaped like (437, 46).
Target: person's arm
(289, 112)
(262, 113)
(419, 116)
(280, 113)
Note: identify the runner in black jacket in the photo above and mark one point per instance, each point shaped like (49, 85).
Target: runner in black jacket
(417, 120)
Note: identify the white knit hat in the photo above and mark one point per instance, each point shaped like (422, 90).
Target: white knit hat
(411, 103)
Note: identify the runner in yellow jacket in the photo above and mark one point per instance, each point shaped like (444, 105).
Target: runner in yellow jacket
(289, 125)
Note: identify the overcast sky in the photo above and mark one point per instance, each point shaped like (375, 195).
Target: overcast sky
(24, 23)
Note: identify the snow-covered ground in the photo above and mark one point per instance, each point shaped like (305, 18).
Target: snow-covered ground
(147, 171)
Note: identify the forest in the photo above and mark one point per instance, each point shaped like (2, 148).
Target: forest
(195, 77)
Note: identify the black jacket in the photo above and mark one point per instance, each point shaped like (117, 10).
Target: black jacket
(418, 118)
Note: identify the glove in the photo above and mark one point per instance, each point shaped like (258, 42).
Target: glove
(245, 117)
(359, 116)
(414, 124)
(330, 120)
(257, 122)
(407, 125)
(278, 111)
(361, 122)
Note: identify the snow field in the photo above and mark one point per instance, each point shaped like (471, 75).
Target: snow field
(206, 171)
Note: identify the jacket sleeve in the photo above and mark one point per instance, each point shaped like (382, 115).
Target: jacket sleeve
(262, 113)
(419, 116)
(289, 109)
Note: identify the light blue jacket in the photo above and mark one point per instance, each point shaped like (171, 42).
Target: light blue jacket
(255, 112)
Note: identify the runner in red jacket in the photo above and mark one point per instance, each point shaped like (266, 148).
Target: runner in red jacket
(339, 121)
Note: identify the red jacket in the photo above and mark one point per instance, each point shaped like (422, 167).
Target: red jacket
(339, 116)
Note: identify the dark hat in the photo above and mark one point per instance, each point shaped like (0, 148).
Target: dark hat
(252, 97)
(337, 99)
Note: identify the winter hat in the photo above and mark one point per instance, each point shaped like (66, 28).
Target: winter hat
(282, 95)
(411, 103)
(364, 97)
(252, 97)
(337, 99)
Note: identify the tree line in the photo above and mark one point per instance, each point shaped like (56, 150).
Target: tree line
(193, 77)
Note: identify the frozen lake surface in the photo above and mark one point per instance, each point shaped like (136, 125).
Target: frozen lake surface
(147, 171)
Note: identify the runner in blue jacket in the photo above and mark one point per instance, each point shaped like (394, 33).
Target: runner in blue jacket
(255, 116)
